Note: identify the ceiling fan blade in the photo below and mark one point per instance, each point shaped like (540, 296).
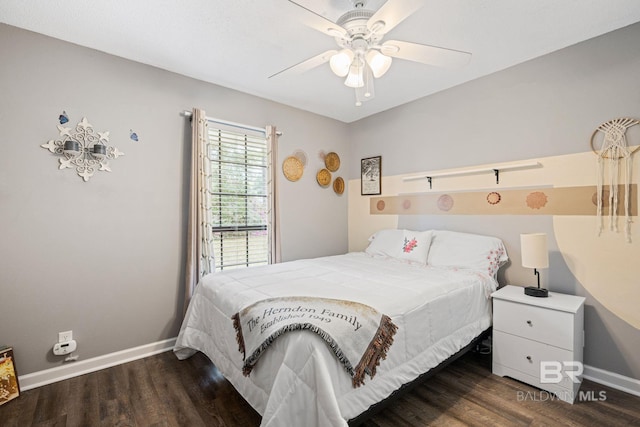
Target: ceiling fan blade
(320, 23)
(307, 64)
(430, 55)
(392, 13)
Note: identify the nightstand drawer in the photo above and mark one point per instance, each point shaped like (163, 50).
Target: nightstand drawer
(525, 356)
(540, 324)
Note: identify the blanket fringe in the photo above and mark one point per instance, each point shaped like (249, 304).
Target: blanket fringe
(376, 351)
(250, 362)
(239, 337)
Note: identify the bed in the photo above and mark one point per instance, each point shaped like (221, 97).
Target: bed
(435, 285)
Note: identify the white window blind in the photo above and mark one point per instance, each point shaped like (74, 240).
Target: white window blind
(239, 186)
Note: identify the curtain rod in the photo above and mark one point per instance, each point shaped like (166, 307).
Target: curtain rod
(188, 114)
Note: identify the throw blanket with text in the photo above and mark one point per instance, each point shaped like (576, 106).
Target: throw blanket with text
(358, 335)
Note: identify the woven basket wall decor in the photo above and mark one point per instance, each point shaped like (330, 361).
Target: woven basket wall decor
(323, 177)
(332, 161)
(292, 168)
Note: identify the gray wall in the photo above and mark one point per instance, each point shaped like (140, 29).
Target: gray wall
(104, 258)
(545, 107)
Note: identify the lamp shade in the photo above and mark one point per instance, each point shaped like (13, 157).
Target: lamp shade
(340, 62)
(535, 253)
(378, 62)
(355, 77)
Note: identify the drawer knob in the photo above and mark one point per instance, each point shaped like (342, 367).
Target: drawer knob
(529, 358)
(529, 322)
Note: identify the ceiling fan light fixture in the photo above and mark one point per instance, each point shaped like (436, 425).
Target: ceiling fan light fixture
(355, 77)
(378, 62)
(340, 62)
(364, 56)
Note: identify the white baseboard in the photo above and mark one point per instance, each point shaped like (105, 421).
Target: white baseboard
(613, 380)
(75, 369)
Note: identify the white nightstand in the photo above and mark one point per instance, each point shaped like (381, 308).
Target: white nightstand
(535, 340)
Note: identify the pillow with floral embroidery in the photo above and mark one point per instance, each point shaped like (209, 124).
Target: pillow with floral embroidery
(465, 250)
(406, 245)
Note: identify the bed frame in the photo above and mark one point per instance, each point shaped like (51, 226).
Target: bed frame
(405, 388)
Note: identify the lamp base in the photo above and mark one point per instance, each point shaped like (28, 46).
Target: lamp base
(536, 292)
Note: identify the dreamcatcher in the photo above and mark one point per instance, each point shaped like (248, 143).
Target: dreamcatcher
(614, 155)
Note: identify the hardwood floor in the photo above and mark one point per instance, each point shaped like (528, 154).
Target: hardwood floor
(162, 391)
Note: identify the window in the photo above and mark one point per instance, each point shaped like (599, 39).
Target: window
(238, 171)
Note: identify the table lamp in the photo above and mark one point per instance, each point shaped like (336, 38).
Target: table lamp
(535, 255)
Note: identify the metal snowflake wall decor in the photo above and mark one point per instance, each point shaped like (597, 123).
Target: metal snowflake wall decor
(83, 149)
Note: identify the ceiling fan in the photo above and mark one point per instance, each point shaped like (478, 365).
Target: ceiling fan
(363, 55)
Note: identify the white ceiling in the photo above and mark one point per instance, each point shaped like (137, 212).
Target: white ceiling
(240, 43)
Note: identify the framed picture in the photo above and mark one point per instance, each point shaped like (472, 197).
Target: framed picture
(9, 387)
(370, 176)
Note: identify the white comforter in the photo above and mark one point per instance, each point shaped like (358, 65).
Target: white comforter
(298, 381)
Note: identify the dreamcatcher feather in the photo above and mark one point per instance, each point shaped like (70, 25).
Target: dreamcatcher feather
(615, 157)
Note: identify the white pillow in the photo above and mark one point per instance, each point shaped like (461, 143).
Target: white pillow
(465, 250)
(406, 245)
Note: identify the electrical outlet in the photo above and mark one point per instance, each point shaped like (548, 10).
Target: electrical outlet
(65, 336)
